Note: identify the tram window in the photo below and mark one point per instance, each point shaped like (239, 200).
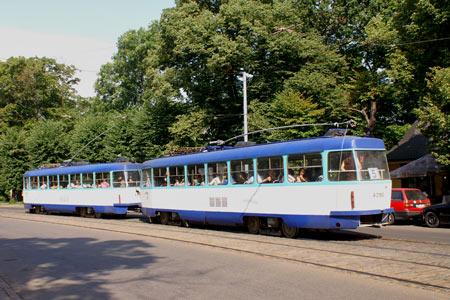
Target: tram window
(196, 175)
(217, 173)
(176, 176)
(160, 176)
(241, 171)
(341, 166)
(64, 181)
(53, 181)
(43, 184)
(88, 180)
(270, 169)
(28, 183)
(372, 165)
(119, 179)
(305, 167)
(147, 175)
(34, 182)
(102, 179)
(75, 181)
(132, 178)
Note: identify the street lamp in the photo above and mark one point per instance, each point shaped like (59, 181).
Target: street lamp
(244, 78)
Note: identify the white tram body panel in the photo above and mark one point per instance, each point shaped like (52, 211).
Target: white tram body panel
(326, 204)
(263, 199)
(113, 201)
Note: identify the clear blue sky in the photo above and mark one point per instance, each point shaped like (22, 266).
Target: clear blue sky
(101, 19)
(78, 32)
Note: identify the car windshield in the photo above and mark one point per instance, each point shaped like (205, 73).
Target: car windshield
(415, 195)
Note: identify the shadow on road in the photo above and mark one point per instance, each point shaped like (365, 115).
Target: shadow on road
(71, 268)
(315, 234)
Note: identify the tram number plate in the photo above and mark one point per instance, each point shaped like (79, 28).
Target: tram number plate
(374, 173)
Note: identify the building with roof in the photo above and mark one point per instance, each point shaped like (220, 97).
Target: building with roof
(412, 166)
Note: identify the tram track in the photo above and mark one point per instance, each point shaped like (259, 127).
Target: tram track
(362, 256)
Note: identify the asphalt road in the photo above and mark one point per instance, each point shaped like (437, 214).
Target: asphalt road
(410, 231)
(49, 261)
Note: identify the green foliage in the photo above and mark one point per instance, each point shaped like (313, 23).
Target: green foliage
(48, 142)
(393, 133)
(122, 81)
(190, 130)
(434, 113)
(13, 162)
(205, 48)
(288, 108)
(87, 138)
(30, 88)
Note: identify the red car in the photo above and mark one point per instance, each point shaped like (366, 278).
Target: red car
(407, 204)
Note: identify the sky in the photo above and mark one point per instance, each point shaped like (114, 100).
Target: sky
(82, 33)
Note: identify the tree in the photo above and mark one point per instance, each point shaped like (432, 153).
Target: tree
(31, 87)
(289, 108)
(190, 130)
(87, 138)
(122, 81)
(48, 142)
(13, 163)
(206, 45)
(434, 113)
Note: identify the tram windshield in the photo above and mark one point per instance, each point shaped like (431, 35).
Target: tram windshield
(373, 165)
(368, 164)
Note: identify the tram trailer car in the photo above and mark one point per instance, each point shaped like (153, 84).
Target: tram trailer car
(88, 190)
(317, 183)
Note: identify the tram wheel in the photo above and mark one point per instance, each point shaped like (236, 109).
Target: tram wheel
(98, 215)
(431, 219)
(391, 219)
(253, 225)
(289, 232)
(83, 212)
(164, 217)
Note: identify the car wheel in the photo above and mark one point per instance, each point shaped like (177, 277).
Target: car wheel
(432, 219)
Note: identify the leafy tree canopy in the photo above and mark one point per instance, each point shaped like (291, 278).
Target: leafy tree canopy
(31, 87)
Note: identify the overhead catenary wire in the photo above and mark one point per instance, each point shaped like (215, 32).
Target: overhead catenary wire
(350, 122)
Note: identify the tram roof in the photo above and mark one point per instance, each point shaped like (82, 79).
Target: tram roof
(311, 145)
(89, 168)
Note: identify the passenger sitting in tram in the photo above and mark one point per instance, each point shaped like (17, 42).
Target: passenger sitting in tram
(179, 182)
(200, 180)
(348, 169)
(104, 184)
(75, 185)
(290, 177)
(43, 186)
(54, 186)
(251, 180)
(216, 181)
(122, 182)
(301, 176)
(224, 180)
(242, 178)
(271, 178)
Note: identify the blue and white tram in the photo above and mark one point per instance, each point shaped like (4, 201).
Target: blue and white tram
(89, 190)
(318, 183)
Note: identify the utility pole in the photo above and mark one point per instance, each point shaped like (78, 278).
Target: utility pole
(244, 77)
